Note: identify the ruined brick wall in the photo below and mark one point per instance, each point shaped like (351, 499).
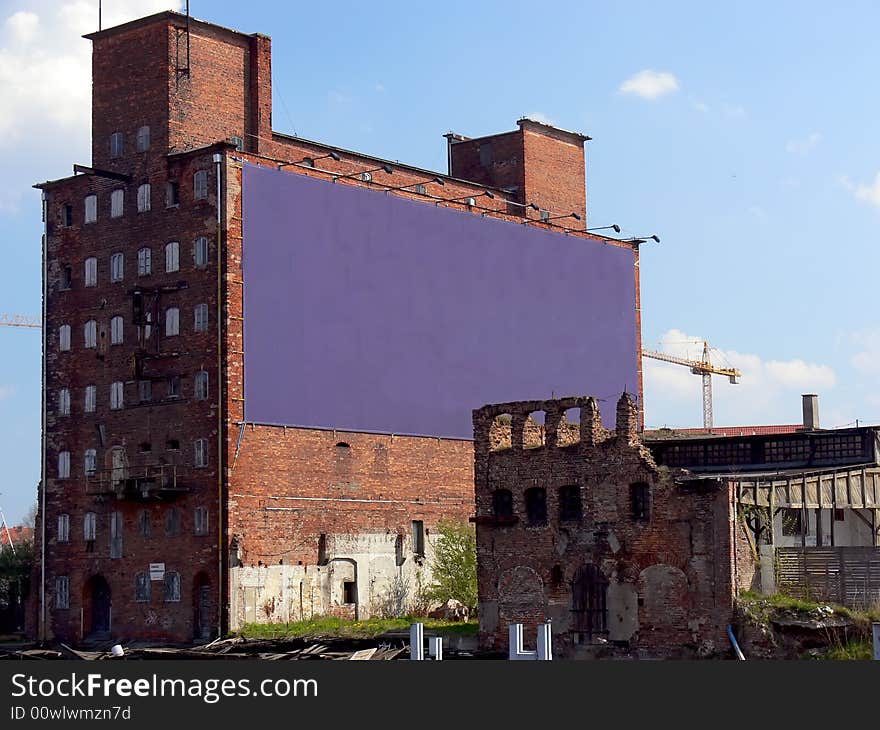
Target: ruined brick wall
(664, 578)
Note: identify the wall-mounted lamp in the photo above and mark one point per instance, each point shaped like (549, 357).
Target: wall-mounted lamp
(470, 200)
(613, 226)
(557, 217)
(420, 186)
(643, 239)
(310, 161)
(365, 175)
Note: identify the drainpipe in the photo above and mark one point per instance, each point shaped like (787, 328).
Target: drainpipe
(42, 629)
(218, 163)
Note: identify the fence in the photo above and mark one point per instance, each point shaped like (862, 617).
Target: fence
(849, 576)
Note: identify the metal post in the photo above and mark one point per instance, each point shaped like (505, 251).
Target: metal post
(875, 630)
(417, 642)
(435, 648)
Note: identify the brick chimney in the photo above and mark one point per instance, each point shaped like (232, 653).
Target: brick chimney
(539, 163)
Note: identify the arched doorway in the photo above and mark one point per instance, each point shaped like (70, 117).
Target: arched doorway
(203, 623)
(588, 603)
(96, 606)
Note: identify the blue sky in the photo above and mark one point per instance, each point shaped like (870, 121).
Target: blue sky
(743, 134)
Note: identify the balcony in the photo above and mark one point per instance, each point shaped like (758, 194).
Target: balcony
(154, 482)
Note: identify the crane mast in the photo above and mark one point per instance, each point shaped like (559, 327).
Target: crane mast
(703, 367)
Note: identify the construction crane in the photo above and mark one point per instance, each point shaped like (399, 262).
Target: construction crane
(702, 367)
(20, 320)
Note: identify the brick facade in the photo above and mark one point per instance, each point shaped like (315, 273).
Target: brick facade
(265, 495)
(577, 525)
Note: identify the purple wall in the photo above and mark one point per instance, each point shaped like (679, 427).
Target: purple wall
(365, 311)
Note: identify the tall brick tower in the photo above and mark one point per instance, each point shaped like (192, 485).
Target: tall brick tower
(166, 512)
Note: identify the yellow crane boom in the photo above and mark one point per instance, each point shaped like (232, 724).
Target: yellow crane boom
(702, 367)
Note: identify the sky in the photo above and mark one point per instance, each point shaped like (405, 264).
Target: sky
(742, 134)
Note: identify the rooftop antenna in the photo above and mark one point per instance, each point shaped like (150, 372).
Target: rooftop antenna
(99, 15)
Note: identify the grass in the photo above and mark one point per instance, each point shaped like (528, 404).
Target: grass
(851, 651)
(788, 603)
(330, 627)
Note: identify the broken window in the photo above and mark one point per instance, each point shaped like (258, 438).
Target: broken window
(399, 557)
(116, 266)
(200, 185)
(839, 515)
(91, 398)
(91, 334)
(64, 402)
(640, 498)
(144, 527)
(172, 522)
(201, 318)
(89, 525)
(200, 521)
(172, 194)
(116, 534)
(117, 198)
(145, 262)
(143, 139)
(502, 503)
(62, 591)
(172, 445)
(67, 216)
(536, 506)
(172, 587)
(66, 277)
(116, 330)
(142, 588)
(64, 337)
(145, 391)
(418, 537)
(90, 461)
(533, 430)
(792, 522)
(172, 256)
(91, 209)
(144, 198)
(500, 432)
(200, 252)
(91, 271)
(349, 592)
(146, 447)
(63, 464)
(63, 527)
(570, 508)
(322, 549)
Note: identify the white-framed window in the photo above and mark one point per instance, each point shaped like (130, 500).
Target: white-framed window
(64, 337)
(201, 452)
(63, 527)
(62, 591)
(91, 271)
(172, 321)
(116, 330)
(145, 391)
(117, 266)
(173, 389)
(116, 395)
(89, 526)
(117, 203)
(200, 185)
(146, 328)
(201, 318)
(91, 212)
(90, 461)
(201, 385)
(172, 256)
(200, 521)
(142, 588)
(63, 464)
(143, 139)
(91, 333)
(116, 144)
(91, 398)
(172, 587)
(200, 252)
(116, 534)
(145, 261)
(144, 198)
(64, 402)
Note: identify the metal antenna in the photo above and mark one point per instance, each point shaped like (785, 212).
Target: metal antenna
(99, 15)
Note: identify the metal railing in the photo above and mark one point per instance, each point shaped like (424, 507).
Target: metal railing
(141, 479)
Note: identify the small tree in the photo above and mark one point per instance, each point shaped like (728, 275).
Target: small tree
(454, 567)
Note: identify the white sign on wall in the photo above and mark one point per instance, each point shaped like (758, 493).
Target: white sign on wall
(157, 571)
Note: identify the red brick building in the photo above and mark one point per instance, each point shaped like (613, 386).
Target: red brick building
(164, 514)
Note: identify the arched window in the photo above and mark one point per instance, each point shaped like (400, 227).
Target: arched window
(640, 499)
(142, 588)
(172, 587)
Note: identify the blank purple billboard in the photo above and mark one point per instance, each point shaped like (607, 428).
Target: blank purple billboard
(365, 311)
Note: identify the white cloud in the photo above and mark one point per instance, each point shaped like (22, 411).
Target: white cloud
(767, 393)
(866, 193)
(541, 118)
(804, 145)
(867, 358)
(649, 84)
(6, 391)
(45, 74)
